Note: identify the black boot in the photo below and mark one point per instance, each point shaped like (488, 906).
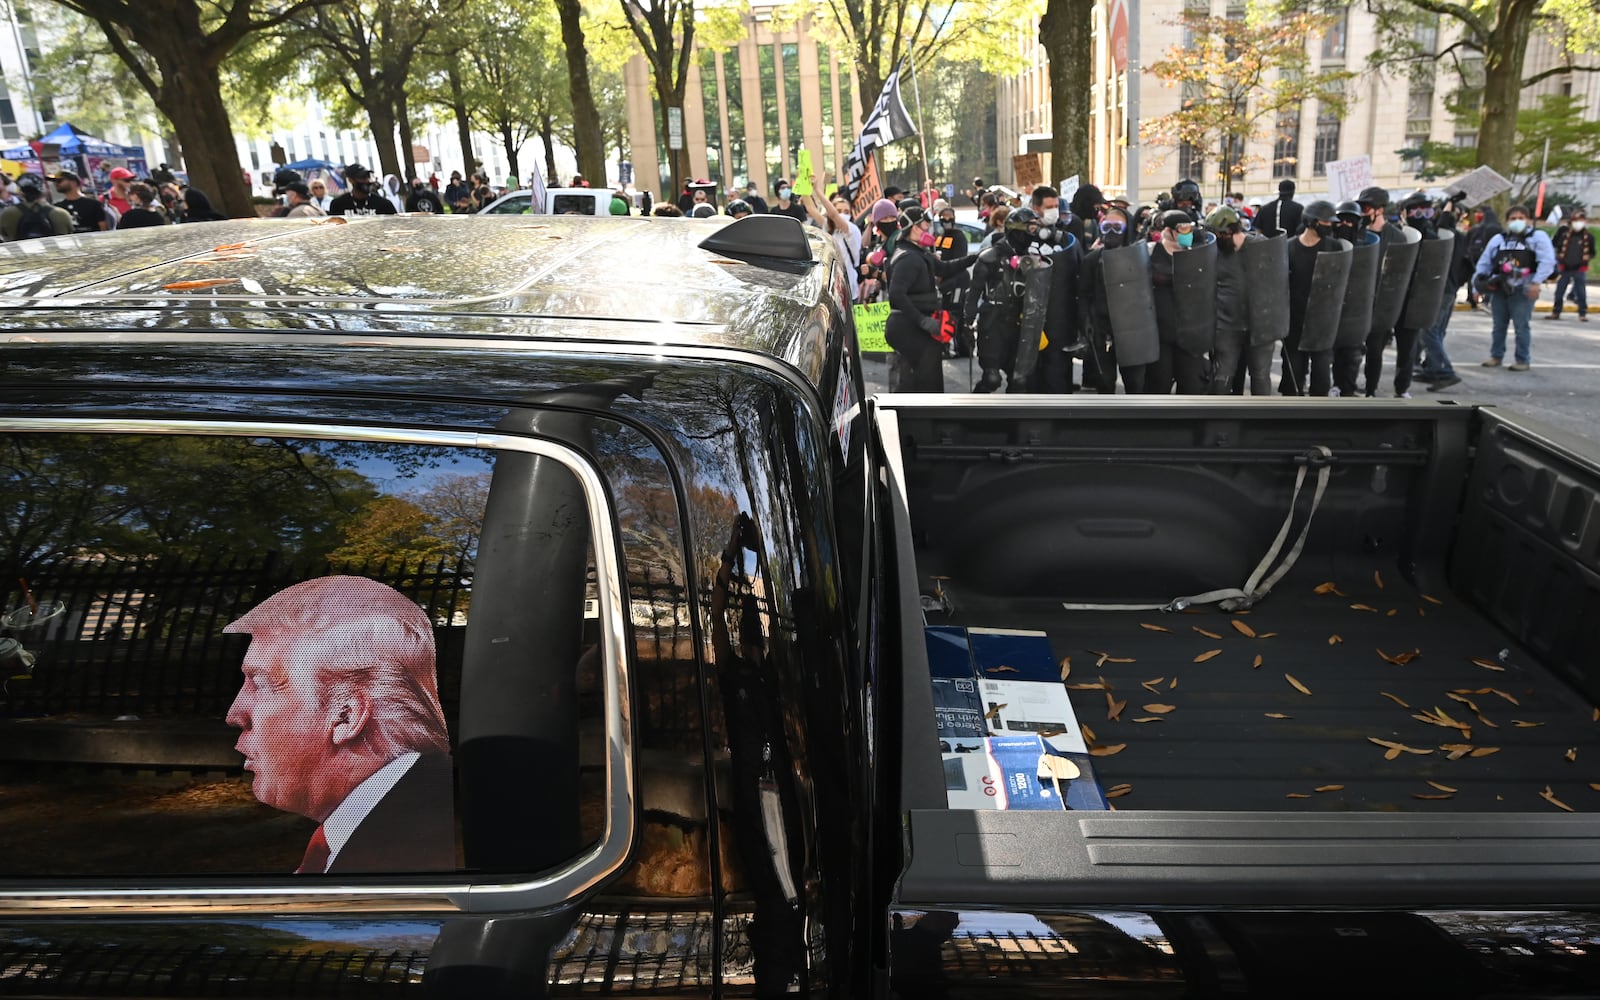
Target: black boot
(990, 382)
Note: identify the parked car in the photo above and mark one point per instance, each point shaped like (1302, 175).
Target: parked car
(390, 609)
(557, 201)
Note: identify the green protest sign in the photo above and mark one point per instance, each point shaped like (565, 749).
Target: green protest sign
(802, 173)
(870, 321)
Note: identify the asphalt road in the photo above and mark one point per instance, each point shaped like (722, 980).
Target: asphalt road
(1559, 389)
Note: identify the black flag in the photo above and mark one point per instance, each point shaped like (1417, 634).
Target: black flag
(887, 122)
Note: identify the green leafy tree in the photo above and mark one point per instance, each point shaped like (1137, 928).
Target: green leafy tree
(1573, 138)
(1237, 76)
(175, 50)
(665, 31)
(514, 83)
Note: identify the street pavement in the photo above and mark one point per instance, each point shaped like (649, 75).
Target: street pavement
(1559, 389)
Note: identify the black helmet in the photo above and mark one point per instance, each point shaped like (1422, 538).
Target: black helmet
(1176, 217)
(1021, 219)
(911, 214)
(1373, 197)
(356, 172)
(738, 206)
(1319, 211)
(908, 203)
(1186, 190)
(1348, 208)
(1416, 199)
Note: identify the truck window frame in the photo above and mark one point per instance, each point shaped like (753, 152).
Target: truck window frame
(421, 892)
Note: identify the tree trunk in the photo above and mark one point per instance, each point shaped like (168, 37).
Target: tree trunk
(458, 104)
(380, 115)
(585, 119)
(510, 144)
(1064, 31)
(407, 158)
(193, 103)
(676, 158)
(547, 135)
(1502, 88)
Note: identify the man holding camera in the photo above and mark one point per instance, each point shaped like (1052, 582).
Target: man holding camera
(1512, 268)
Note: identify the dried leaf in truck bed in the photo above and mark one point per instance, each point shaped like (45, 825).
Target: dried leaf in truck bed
(1395, 698)
(1549, 796)
(1159, 708)
(1442, 787)
(1487, 721)
(1151, 684)
(1118, 791)
(1488, 690)
(1596, 716)
(1362, 607)
(1001, 669)
(1487, 664)
(1463, 699)
(1278, 715)
(1525, 724)
(1154, 628)
(1243, 629)
(1107, 751)
(1173, 684)
(1421, 795)
(1595, 786)
(1571, 755)
(1334, 640)
(1208, 654)
(1296, 684)
(1484, 751)
(1328, 788)
(1328, 588)
(1266, 635)
(1377, 578)
(1066, 667)
(994, 713)
(1256, 663)
(1392, 612)
(1401, 659)
(1088, 734)
(1384, 743)
(1114, 708)
(1086, 686)
(1431, 600)
(1297, 795)
(1149, 718)
(1391, 754)
(1214, 635)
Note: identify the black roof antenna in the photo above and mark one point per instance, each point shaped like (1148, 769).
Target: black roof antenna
(775, 241)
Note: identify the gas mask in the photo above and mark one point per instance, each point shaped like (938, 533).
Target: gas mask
(925, 238)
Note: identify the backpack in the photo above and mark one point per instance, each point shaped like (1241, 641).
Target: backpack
(35, 222)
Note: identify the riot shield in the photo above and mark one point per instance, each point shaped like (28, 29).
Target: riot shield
(1061, 326)
(1394, 277)
(1426, 294)
(1036, 275)
(1328, 281)
(1194, 283)
(1355, 320)
(1131, 303)
(1266, 266)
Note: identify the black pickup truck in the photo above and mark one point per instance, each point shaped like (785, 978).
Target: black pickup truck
(476, 607)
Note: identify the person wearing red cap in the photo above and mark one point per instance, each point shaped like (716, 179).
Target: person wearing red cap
(117, 197)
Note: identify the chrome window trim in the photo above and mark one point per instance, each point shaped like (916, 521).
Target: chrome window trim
(577, 876)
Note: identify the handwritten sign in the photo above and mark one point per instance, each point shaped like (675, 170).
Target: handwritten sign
(870, 322)
(1027, 170)
(1480, 185)
(1347, 178)
(802, 173)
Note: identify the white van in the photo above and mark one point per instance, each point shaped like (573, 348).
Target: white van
(557, 201)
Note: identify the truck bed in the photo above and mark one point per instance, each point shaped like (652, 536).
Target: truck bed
(1221, 748)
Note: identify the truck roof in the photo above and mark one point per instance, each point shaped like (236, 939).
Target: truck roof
(642, 281)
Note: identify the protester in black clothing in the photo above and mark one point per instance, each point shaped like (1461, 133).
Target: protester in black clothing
(1417, 212)
(786, 203)
(1281, 216)
(1176, 366)
(1574, 245)
(197, 207)
(1115, 229)
(1347, 361)
(1234, 351)
(423, 199)
(1303, 369)
(141, 197)
(1186, 199)
(951, 244)
(362, 198)
(88, 215)
(456, 189)
(1087, 204)
(912, 328)
(752, 197)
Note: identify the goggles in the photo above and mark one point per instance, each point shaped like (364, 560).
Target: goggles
(1113, 226)
(1183, 227)
(1420, 212)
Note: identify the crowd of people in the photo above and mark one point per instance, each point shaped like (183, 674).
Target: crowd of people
(1199, 299)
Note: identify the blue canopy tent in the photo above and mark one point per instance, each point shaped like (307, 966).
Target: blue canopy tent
(89, 157)
(330, 173)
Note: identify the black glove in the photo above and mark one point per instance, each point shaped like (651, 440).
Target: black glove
(930, 325)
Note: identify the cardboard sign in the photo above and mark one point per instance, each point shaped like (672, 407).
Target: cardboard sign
(1479, 186)
(1347, 178)
(870, 322)
(1025, 167)
(868, 191)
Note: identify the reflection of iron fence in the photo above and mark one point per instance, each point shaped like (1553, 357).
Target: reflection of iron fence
(145, 637)
(91, 969)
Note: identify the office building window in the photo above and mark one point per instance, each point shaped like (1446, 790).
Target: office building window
(1327, 144)
(1191, 162)
(733, 85)
(1411, 163)
(792, 103)
(1333, 43)
(1286, 146)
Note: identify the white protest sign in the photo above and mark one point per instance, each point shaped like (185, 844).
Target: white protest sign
(1479, 186)
(1346, 178)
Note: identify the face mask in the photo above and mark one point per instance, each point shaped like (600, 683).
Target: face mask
(1049, 216)
(1229, 202)
(1185, 239)
(925, 238)
(1112, 239)
(887, 228)
(1578, 224)
(1324, 230)
(363, 188)
(783, 194)
(1517, 225)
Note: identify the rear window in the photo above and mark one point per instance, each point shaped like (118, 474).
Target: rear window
(572, 204)
(265, 655)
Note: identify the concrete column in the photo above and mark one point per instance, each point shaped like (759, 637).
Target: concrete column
(642, 126)
(844, 140)
(811, 97)
(785, 160)
(755, 138)
(694, 123)
(722, 122)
